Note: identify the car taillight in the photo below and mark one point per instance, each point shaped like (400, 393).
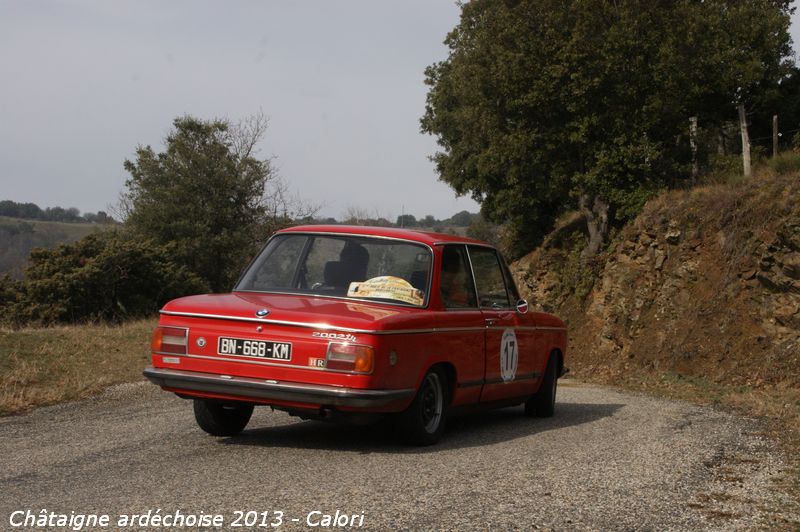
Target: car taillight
(345, 356)
(172, 340)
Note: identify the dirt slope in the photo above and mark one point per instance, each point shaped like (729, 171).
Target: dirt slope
(704, 287)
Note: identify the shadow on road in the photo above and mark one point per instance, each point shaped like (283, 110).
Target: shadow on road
(463, 430)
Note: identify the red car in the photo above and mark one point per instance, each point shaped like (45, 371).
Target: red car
(337, 321)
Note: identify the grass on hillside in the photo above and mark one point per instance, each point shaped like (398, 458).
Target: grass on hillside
(727, 169)
(50, 365)
(18, 237)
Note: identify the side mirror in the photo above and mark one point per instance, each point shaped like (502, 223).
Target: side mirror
(522, 306)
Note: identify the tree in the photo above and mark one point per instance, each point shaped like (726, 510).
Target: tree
(462, 219)
(406, 220)
(209, 195)
(428, 221)
(782, 99)
(104, 218)
(20, 210)
(480, 229)
(357, 216)
(544, 106)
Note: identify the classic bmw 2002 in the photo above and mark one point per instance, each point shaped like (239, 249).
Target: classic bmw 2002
(338, 321)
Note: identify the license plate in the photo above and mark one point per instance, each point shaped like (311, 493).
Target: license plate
(254, 348)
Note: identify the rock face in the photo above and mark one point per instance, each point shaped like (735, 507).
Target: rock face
(704, 282)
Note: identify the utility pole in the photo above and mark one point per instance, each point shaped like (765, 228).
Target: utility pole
(745, 141)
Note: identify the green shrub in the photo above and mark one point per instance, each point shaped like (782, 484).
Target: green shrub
(104, 276)
(10, 291)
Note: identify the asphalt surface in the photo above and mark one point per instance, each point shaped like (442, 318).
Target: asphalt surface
(607, 461)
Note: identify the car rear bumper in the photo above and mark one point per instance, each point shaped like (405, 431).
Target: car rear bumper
(262, 390)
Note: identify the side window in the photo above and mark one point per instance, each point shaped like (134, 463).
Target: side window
(455, 282)
(492, 291)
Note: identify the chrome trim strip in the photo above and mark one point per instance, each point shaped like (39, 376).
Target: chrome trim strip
(344, 233)
(480, 382)
(457, 329)
(247, 387)
(327, 327)
(526, 328)
(476, 244)
(517, 378)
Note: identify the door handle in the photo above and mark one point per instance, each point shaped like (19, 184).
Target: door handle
(490, 322)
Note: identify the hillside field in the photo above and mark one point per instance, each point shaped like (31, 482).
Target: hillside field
(18, 237)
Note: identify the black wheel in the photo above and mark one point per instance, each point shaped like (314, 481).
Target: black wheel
(219, 419)
(543, 402)
(423, 422)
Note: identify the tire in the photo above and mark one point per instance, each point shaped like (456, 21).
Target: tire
(423, 422)
(219, 419)
(543, 402)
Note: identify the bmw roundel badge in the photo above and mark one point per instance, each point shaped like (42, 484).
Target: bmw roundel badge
(262, 312)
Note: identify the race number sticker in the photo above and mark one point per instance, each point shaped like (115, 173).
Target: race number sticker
(509, 355)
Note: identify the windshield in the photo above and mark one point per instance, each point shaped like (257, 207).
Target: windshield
(357, 267)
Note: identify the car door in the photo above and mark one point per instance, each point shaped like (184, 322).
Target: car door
(510, 367)
(527, 326)
(461, 325)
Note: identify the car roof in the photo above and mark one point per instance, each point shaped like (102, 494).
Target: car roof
(423, 237)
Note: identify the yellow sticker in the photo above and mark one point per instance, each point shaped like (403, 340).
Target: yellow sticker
(387, 287)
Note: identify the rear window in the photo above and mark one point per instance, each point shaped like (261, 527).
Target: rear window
(375, 269)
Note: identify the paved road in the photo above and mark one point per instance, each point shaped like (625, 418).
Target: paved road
(608, 460)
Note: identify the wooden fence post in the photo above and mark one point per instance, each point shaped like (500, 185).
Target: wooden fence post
(745, 141)
(774, 136)
(693, 144)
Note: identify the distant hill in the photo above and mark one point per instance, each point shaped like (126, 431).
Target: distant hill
(18, 237)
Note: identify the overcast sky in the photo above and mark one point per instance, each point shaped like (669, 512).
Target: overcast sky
(82, 83)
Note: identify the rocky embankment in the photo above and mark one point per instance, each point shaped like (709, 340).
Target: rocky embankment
(705, 283)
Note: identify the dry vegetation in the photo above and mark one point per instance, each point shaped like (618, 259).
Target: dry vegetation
(45, 366)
